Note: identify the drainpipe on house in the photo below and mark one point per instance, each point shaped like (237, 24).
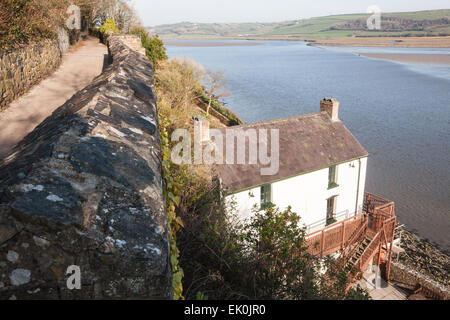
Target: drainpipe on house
(357, 190)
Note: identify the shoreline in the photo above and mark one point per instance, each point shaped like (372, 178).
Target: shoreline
(394, 42)
(424, 257)
(410, 58)
(204, 44)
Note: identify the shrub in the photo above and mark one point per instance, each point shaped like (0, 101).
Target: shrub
(155, 50)
(141, 32)
(262, 258)
(109, 25)
(154, 47)
(24, 20)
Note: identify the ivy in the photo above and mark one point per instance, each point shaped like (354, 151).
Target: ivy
(171, 191)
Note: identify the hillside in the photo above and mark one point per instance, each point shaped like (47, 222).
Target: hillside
(405, 24)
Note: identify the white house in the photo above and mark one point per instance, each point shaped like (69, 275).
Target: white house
(322, 170)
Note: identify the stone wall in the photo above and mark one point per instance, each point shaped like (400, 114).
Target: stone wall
(63, 40)
(409, 278)
(21, 68)
(85, 188)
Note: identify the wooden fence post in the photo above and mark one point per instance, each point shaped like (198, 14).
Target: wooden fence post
(343, 235)
(388, 267)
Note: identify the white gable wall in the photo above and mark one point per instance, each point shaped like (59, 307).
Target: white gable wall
(307, 194)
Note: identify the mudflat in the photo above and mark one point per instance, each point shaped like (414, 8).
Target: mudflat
(412, 42)
(435, 59)
(193, 43)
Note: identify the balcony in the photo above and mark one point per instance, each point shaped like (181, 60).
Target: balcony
(377, 213)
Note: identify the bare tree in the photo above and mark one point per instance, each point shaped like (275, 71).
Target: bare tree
(122, 11)
(215, 83)
(180, 80)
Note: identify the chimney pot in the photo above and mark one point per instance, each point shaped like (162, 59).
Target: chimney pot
(331, 106)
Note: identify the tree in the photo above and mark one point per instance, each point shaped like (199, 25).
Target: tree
(215, 83)
(264, 257)
(179, 80)
(121, 11)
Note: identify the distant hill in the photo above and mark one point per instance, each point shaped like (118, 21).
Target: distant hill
(406, 24)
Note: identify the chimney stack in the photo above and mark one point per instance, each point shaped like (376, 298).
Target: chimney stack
(203, 125)
(331, 106)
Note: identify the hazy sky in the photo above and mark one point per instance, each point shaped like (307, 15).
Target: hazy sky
(154, 12)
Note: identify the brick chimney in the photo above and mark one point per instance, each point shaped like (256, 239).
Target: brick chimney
(331, 106)
(203, 125)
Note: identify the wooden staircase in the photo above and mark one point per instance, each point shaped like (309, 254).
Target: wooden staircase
(358, 254)
(359, 238)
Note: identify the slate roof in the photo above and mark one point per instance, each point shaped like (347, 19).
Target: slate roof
(307, 143)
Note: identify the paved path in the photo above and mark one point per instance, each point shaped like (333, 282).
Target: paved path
(385, 291)
(79, 67)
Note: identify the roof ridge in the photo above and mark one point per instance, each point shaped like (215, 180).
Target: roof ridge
(246, 125)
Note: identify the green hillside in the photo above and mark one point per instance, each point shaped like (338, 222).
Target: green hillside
(420, 23)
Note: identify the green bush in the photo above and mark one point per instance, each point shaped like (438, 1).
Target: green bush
(155, 50)
(109, 25)
(262, 258)
(154, 47)
(141, 32)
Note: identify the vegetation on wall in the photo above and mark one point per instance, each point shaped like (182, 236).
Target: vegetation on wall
(23, 20)
(171, 193)
(154, 47)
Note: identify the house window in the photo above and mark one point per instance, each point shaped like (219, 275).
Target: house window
(332, 177)
(266, 196)
(331, 210)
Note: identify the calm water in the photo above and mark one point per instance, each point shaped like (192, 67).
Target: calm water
(399, 113)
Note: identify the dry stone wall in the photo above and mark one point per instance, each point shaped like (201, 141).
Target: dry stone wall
(85, 189)
(22, 68)
(409, 278)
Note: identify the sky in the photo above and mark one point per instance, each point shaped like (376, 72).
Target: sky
(156, 12)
